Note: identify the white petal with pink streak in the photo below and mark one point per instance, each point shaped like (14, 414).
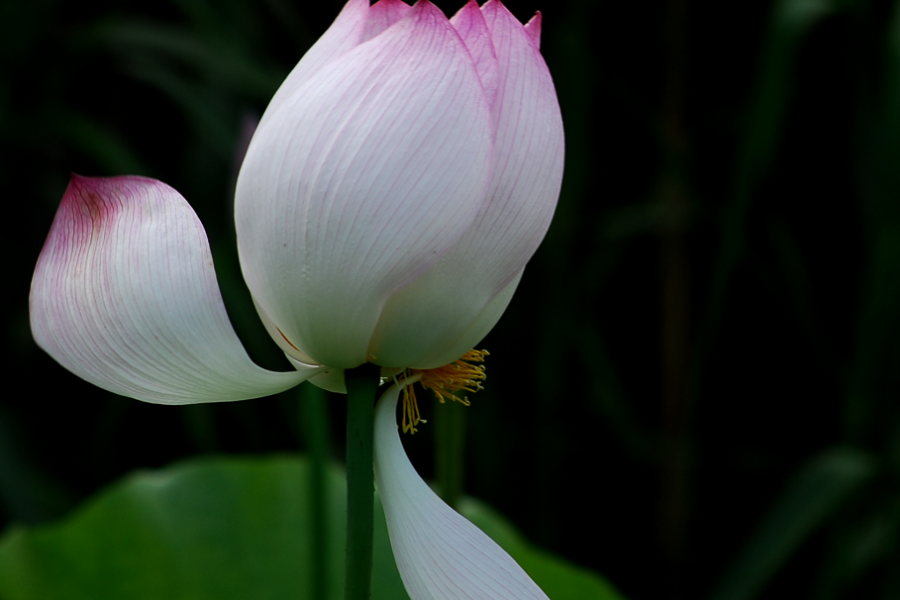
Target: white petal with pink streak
(125, 296)
(440, 554)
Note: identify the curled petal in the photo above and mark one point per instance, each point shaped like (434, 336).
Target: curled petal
(440, 555)
(125, 296)
(526, 179)
(360, 182)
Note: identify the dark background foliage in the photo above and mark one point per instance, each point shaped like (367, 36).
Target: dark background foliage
(695, 390)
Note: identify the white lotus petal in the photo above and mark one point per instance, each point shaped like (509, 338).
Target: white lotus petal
(440, 554)
(529, 151)
(357, 23)
(524, 190)
(382, 15)
(533, 27)
(426, 341)
(472, 335)
(360, 182)
(327, 378)
(344, 34)
(469, 22)
(294, 354)
(124, 295)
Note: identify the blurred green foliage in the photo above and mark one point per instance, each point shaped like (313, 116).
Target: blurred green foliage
(695, 391)
(228, 528)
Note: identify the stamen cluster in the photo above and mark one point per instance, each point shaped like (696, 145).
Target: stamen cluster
(465, 374)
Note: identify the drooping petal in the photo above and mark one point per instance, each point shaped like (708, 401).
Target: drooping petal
(524, 189)
(361, 182)
(125, 296)
(440, 554)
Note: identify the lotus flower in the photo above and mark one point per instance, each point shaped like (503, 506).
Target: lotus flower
(396, 186)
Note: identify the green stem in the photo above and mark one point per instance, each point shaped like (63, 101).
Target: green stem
(362, 387)
(315, 427)
(450, 433)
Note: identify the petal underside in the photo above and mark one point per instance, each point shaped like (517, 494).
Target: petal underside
(370, 173)
(125, 296)
(440, 554)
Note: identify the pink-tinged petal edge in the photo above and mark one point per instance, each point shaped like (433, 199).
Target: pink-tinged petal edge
(526, 179)
(382, 15)
(439, 553)
(469, 23)
(345, 33)
(529, 151)
(533, 27)
(349, 194)
(125, 296)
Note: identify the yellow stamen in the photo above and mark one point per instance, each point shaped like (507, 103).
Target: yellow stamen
(443, 381)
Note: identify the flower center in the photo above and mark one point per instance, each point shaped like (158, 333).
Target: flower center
(465, 374)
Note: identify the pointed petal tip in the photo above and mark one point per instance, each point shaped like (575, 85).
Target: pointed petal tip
(495, 8)
(426, 6)
(533, 28)
(369, 156)
(382, 15)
